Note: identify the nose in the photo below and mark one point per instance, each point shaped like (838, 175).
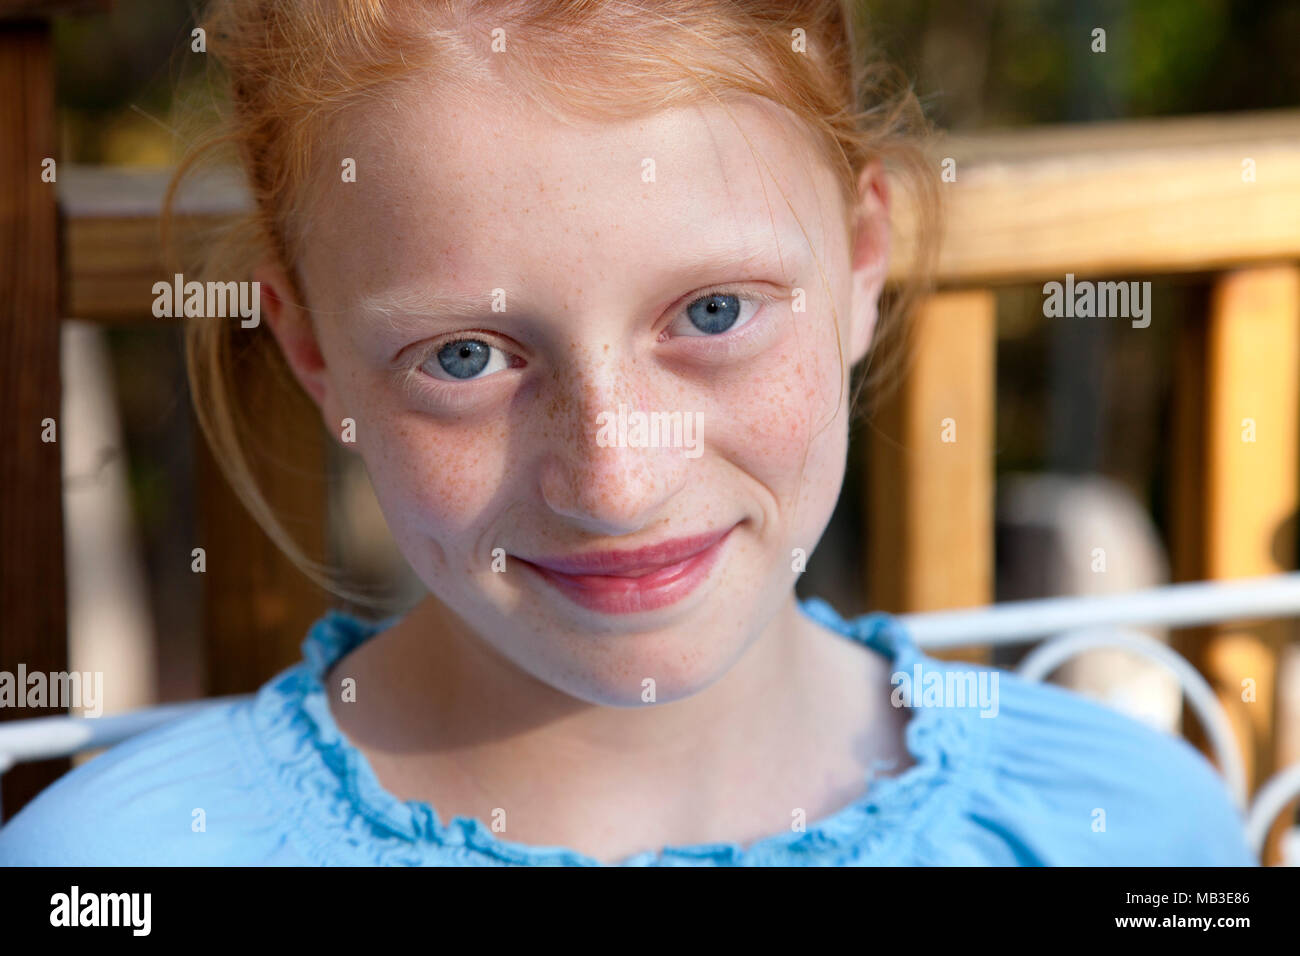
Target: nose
(614, 470)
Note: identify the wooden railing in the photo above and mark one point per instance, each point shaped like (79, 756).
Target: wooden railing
(1102, 201)
(1215, 195)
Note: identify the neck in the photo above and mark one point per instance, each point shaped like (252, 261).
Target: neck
(444, 687)
(460, 726)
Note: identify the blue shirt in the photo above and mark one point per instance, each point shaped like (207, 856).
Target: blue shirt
(1052, 779)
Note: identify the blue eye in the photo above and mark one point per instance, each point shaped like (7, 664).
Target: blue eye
(466, 359)
(714, 313)
(718, 312)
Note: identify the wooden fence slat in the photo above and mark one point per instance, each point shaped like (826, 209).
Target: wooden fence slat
(1127, 198)
(1288, 736)
(930, 485)
(1246, 471)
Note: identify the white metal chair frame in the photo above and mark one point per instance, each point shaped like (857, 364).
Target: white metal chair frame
(1084, 623)
(1064, 626)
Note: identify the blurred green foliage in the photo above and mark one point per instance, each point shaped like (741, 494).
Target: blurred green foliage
(994, 63)
(118, 76)
(976, 63)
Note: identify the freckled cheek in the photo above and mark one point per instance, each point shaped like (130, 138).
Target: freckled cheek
(438, 481)
(773, 414)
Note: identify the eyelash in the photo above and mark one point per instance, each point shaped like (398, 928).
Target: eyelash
(413, 372)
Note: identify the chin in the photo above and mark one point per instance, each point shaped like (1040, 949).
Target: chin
(642, 670)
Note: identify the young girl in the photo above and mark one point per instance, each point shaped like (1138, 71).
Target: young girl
(582, 283)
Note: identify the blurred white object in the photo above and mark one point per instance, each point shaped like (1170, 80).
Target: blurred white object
(1085, 535)
(110, 627)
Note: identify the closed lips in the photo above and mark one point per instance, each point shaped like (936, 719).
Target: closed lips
(635, 563)
(637, 580)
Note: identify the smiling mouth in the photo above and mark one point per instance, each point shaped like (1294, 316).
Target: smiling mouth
(644, 579)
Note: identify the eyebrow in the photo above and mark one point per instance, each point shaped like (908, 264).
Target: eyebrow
(412, 308)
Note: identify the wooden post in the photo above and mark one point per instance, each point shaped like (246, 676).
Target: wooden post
(1238, 488)
(930, 497)
(32, 590)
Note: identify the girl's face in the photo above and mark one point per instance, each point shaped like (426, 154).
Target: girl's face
(496, 291)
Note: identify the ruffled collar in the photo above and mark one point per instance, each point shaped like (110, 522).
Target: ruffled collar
(338, 802)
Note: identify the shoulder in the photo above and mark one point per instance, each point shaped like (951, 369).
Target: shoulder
(185, 793)
(1075, 782)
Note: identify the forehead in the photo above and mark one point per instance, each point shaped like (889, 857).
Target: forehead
(479, 188)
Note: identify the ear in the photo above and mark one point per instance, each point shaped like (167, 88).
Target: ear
(870, 256)
(296, 335)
